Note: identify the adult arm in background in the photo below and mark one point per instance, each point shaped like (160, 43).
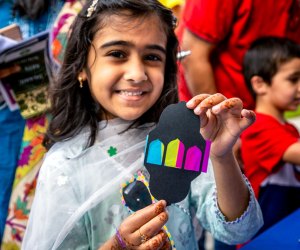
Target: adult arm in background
(198, 71)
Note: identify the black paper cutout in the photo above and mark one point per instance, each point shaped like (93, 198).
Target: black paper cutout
(175, 154)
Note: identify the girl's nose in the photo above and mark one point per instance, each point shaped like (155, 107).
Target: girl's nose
(135, 72)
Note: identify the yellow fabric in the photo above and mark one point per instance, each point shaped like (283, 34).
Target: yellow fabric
(171, 3)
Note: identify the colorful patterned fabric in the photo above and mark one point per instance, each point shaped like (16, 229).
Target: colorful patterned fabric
(61, 28)
(29, 164)
(11, 132)
(32, 150)
(11, 123)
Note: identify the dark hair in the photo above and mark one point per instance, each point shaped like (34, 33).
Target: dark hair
(73, 108)
(265, 56)
(32, 9)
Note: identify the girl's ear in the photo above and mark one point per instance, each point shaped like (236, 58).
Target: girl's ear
(259, 85)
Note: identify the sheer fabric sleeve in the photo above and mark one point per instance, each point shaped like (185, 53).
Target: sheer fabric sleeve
(78, 237)
(55, 199)
(74, 179)
(204, 199)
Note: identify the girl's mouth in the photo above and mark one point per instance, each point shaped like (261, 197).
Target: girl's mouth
(130, 93)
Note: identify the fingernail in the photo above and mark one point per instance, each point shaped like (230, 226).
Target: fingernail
(189, 103)
(164, 203)
(197, 110)
(216, 109)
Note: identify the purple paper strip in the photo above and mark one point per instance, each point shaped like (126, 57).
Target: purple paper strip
(206, 156)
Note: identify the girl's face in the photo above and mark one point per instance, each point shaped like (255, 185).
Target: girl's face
(284, 91)
(127, 66)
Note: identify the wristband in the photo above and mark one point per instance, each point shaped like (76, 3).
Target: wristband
(120, 240)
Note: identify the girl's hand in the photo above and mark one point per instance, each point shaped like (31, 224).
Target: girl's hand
(222, 120)
(143, 230)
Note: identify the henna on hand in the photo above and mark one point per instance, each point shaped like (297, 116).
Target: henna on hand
(163, 217)
(166, 246)
(231, 103)
(159, 240)
(116, 244)
(159, 208)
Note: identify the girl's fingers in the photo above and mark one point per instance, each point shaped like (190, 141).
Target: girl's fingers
(141, 217)
(196, 100)
(234, 105)
(201, 103)
(203, 117)
(167, 245)
(249, 117)
(152, 227)
(212, 100)
(156, 242)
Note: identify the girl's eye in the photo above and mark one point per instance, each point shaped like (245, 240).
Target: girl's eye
(153, 58)
(294, 80)
(117, 54)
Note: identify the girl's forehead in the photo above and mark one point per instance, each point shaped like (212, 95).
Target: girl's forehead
(125, 27)
(126, 17)
(131, 25)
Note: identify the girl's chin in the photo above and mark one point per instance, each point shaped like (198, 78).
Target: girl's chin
(129, 115)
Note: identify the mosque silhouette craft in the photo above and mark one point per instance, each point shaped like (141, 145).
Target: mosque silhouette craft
(176, 153)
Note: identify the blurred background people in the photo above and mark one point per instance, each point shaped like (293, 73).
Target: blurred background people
(219, 32)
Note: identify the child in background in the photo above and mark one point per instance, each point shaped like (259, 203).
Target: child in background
(271, 148)
(117, 77)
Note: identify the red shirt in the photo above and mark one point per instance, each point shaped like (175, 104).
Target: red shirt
(263, 145)
(233, 25)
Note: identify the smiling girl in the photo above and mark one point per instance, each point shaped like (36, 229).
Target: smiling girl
(118, 75)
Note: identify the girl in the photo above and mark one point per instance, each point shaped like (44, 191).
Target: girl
(117, 77)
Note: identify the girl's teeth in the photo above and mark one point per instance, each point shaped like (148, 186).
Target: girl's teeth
(131, 93)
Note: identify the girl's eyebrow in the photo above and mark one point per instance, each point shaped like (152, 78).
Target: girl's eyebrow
(128, 44)
(295, 73)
